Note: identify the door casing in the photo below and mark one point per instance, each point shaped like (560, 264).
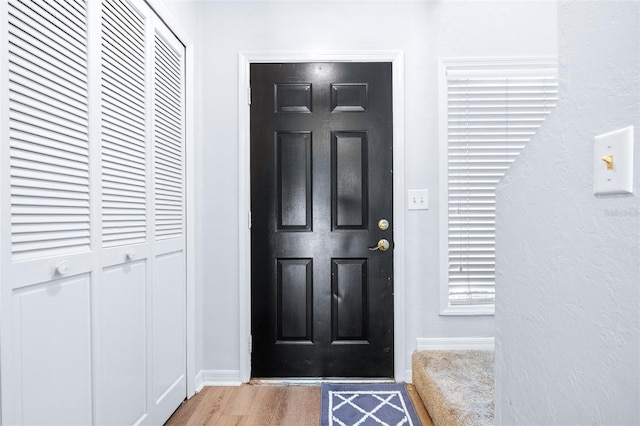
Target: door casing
(396, 58)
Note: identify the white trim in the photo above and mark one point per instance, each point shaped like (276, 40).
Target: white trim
(199, 381)
(397, 59)
(163, 13)
(192, 188)
(497, 73)
(217, 378)
(192, 179)
(408, 376)
(460, 63)
(501, 62)
(6, 400)
(455, 343)
(319, 1)
(461, 310)
(94, 258)
(244, 208)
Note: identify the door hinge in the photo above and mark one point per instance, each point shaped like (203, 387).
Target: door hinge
(249, 220)
(249, 95)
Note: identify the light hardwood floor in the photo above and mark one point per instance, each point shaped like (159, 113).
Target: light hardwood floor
(261, 405)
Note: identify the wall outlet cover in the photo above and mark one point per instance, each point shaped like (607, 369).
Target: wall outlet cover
(418, 199)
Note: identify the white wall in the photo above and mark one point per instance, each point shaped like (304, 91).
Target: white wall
(425, 31)
(568, 292)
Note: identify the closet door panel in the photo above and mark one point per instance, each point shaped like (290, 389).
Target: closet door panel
(52, 329)
(47, 278)
(169, 283)
(121, 396)
(122, 296)
(169, 382)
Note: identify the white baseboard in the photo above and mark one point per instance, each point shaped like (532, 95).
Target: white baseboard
(217, 378)
(455, 343)
(408, 376)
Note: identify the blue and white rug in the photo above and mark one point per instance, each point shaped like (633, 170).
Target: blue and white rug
(367, 405)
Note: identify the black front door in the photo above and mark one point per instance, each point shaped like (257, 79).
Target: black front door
(321, 200)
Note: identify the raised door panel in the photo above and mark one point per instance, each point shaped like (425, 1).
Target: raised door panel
(295, 300)
(350, 302)
(292, 97)
(121, 394)
(168, 339)
(52, 329)
(293, 159)
(349, 97)
(349, 180)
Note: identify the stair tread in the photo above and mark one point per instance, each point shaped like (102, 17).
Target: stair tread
(456, 386)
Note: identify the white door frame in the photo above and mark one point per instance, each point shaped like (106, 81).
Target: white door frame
(396, 58)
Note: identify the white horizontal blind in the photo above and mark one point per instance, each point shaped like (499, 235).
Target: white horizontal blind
(168, 128)
(491, 115)
(123, 125)
(48, 120)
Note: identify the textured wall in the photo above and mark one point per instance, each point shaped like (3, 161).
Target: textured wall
(568, 292)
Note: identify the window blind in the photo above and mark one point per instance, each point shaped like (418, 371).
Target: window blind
(491, 115)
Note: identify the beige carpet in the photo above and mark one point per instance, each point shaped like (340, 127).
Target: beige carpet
(457, 387)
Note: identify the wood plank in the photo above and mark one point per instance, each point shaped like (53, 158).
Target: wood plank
(251, 405)
(259, 405)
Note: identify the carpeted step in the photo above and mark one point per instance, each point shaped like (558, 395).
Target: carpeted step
(457, 387)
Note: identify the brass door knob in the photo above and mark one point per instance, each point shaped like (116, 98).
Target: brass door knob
(383, 245)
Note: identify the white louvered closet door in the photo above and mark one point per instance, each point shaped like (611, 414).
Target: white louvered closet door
(122, 292)
(46, 218)
(92, 215)
(169, 296)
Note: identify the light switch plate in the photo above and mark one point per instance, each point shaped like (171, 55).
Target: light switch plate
(619, 145)
(418, 199)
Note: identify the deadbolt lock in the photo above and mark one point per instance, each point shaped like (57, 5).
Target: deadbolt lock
(383, 224)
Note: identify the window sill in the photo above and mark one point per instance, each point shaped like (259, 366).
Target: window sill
(468, 310)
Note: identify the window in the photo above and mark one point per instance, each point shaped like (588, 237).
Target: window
(489, 111)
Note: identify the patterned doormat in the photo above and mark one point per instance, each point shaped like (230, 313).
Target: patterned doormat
(367, 405)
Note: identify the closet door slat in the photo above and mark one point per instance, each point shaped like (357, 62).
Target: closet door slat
(168, 125)
(48, 129)
(124, 133)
